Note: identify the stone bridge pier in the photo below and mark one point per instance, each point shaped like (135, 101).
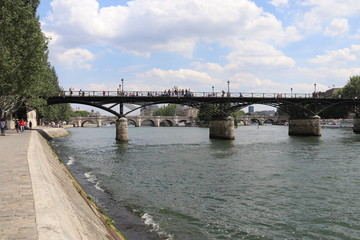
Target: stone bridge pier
(356, 128)
(122, 130)
(305, 126)
(222, 129)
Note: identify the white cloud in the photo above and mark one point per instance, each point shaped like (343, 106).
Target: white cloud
(213, 67)
(338, 57)
(355, 49)
(143, 26)
(337, 27)
(279, 3)
(76, 58)
(329, 76)
(251, 54)
(322, 11)
(183, 78)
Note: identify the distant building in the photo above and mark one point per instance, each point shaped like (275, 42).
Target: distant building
(186, 111)
(329, 93)
(266, 113)
(251, 109)
(148, 110)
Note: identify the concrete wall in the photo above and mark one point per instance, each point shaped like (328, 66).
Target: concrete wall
(62, 208)
(31, 116)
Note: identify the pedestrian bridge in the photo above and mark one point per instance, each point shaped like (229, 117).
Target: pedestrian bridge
(303, 109)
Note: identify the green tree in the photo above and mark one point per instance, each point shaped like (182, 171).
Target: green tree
(26, 76)
(351, 89)
(238, 113)
(208, 112)
(80, 113)
(168, 110)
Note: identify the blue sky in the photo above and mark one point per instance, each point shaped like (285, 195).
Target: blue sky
(259, 46)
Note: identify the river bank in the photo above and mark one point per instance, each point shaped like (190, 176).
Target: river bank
(39, 197)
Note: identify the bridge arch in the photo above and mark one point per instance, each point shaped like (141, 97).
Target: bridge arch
(89, 121)
(148, 123)
(166, 123)
(108, 121)
(242, 122)
(269, 121)
(132, 122)
(256, 121)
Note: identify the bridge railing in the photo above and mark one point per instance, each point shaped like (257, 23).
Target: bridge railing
(188, 94)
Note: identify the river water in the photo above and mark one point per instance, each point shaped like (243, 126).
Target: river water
(176, 183)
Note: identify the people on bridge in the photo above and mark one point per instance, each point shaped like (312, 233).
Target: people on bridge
(175, 92)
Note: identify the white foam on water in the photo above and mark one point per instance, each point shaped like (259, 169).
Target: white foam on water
(71, 161)
(92, 178)
(97, 186)
(149, 220)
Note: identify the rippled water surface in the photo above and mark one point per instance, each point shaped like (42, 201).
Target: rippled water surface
(182, 185)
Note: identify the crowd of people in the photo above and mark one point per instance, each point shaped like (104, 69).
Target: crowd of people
(174, 92)
(20, 125)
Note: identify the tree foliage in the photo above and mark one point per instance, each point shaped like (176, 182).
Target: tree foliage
(26, 76)
(168, 110)
(80, 113)
(352, 88)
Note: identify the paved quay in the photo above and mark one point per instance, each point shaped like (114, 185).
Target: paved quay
(39, 199)
(17, 212)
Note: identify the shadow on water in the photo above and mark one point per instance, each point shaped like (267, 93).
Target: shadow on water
(222, 148)
(121, 147)
(306, 139)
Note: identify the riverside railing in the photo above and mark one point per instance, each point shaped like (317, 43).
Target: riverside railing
(189, 94)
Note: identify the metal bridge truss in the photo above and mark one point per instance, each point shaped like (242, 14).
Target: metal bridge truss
(297, 106)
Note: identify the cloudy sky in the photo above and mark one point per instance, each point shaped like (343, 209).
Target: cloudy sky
(257, 45)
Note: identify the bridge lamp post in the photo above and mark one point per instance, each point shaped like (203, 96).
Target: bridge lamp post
(291, 89)
(315, 87)
(213, 90)
(122, 83)
(228, 82)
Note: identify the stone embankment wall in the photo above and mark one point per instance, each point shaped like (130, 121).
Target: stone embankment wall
(63, 209)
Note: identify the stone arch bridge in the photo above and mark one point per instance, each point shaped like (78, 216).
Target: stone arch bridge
(171, 121)
(138, 121)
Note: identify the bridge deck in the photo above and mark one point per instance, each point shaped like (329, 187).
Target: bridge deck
(297, 105)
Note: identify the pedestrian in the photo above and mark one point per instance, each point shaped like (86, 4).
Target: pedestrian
(3, 126)
(17, 125)
(30, 125)
(22, 125)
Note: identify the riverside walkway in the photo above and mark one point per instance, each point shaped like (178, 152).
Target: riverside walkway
(38, 197)
(17, 212)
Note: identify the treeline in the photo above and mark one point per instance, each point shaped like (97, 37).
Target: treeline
(350, 90)
(168, 110)
(26, 76)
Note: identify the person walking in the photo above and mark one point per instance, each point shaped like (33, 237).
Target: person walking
(2, 126)
(30, 125)
(17, 125)
(22, 125)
